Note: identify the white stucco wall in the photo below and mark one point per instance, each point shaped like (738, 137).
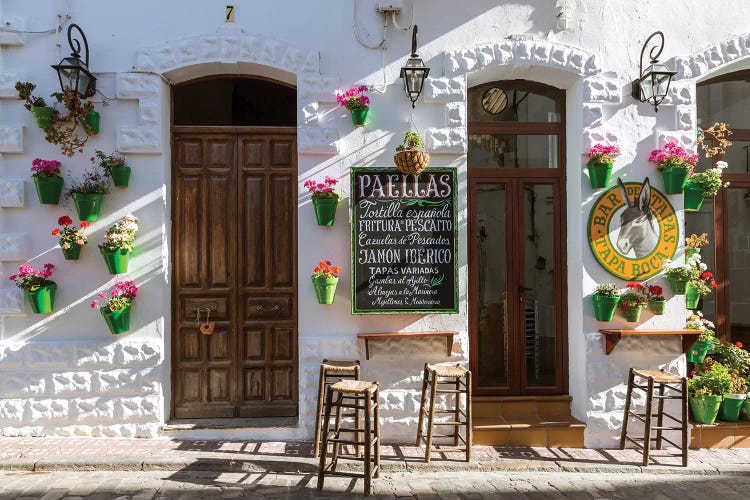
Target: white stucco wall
(64, 374)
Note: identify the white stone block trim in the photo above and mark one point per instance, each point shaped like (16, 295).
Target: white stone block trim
(12, 246)
(445, 90)
(11, 304)
(603, 90)
(446, 140)
(11, 139)
(11, 192)
(146, 89)
(711, 58)
(8, 84)
(317, 140)
(11, 38)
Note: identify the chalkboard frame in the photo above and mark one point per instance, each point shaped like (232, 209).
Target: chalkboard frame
(454, 309)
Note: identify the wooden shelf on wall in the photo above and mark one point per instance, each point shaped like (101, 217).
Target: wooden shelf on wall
(614, 336)
(367, 337)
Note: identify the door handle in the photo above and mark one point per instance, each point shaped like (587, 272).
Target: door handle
(522, 293)
(261, 308)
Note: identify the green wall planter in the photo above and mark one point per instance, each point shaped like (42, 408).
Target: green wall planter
(88, 206)
(632, 314)
(705, 408)
(359, 116)
(116, 260)
(689, 252)
(599, 174)
(745, 411)
(692, 297)
(694, 196)
(657, 306)
(325, 210)
(42, 116)
(121, 176)
(325, 289)
(731, 406)
(698, 351)
(48, 189)
(674, 179)
(678, 287)
(604, 307)
(42, 300)
(118, 321)
(72, 253)
(92, 120)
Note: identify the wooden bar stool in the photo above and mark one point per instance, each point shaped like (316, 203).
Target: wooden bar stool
(330, 372)
(663, 379)
(357, 395)
(442, 379)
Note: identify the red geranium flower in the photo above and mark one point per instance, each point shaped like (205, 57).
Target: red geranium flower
(55, 232)
(85, 223)
(738, 344)
(65, 221)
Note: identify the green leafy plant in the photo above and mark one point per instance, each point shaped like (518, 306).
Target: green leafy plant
(412, 140)
(108, 161)
(714, 380)
(635, 295)
(733, 356)
(710, 180)
(607, 290)
(92, 181)
(696, 321)
(121, 235)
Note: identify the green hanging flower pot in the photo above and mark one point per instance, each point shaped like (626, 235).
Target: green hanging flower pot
(692, 296)
(632, 313)
(118, 321)
(694, 195)
(325, 210)
(72, 253)
(120, 176)
(359, 116)
(604, 307)
(42, 300)
(699, 350)
(678, 286)
(116, 260)
(657, 306)
(599, 174)
(91, 123)
(731, 406)
(674, 179)
(42, 116)
(88, 206)
(745, 410)
(689, 252)
(48, 188)
(705, 408)
(325, 289)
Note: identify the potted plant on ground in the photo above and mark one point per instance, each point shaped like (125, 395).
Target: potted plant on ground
(119, 242)
(702, 185)
(324, 199)
(116, 309)
(706, 340)
(679, 275)
(358, 104)
(707, 389)
(41, 112)
(605, 298)
(633, 301)
(410, 157)
(113, 165)
(47, 180)
(656, 299)
(737, 361)
(39, 290)
(324, 279)
(601, 159)
(675, 164)
(699, 287)
(72, 239)
(694, 243)
(88, 193)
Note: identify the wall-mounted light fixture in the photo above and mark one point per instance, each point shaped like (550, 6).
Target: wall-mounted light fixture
(653, 82)
(72, 71)
(414, 73)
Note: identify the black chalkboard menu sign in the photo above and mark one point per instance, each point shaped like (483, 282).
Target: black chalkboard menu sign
(404, 244)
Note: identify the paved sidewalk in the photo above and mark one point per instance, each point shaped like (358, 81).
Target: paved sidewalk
(60, 454)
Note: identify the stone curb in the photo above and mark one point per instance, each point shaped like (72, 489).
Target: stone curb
(309, 465)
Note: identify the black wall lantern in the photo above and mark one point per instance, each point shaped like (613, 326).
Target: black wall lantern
(653, 84)
(72, 71)
(415, 72)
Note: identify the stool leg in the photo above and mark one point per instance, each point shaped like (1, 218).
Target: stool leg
(368, 443)
(324, 447)
(422, 406)
(660, 416)
(457, 412)
(376, 403)
(430, 416)
(684, 403)
(469, 428)
(337, 431)
(649, 411)
(358, 416)
(321, 395)
(625, 419)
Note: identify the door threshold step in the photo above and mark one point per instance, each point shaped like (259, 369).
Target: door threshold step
(501, 423)
(188, 424)
(565, 432)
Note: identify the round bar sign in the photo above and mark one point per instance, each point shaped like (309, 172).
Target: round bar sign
(632, 230)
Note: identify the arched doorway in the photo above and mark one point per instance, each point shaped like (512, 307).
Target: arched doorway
(516, 174)
(234, 247)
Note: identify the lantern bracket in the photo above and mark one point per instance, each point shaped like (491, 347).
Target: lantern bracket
(75, 45)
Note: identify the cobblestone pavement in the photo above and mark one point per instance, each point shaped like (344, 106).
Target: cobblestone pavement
(188, 485)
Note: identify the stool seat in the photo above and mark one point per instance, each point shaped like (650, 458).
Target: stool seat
(448, 370)
(333, 366)
(659, 376)
(354, 386)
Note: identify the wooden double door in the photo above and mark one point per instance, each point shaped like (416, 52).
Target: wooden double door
(234, 248)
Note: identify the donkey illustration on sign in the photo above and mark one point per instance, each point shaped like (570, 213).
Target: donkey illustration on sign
(638, 228)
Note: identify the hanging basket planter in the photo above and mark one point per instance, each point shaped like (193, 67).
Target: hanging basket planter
(325, 210)
(604, 307)
(674, 179)
(699, 350)
(118, 321)
(632, 313)
(42, 116)
(42, 300)
(48, 189)
(599, 174)
(705, 408)
(91, 123)
(325, 289)
(120, 176)
(694, 196)
(411, 161)
(692, 297)
(116, 260)
(88, 206)
(359, 116)
(678, 286)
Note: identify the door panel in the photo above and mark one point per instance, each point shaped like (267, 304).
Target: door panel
(234, 247)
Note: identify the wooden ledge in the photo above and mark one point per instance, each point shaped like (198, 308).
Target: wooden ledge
(407, 335)
(613, 336)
